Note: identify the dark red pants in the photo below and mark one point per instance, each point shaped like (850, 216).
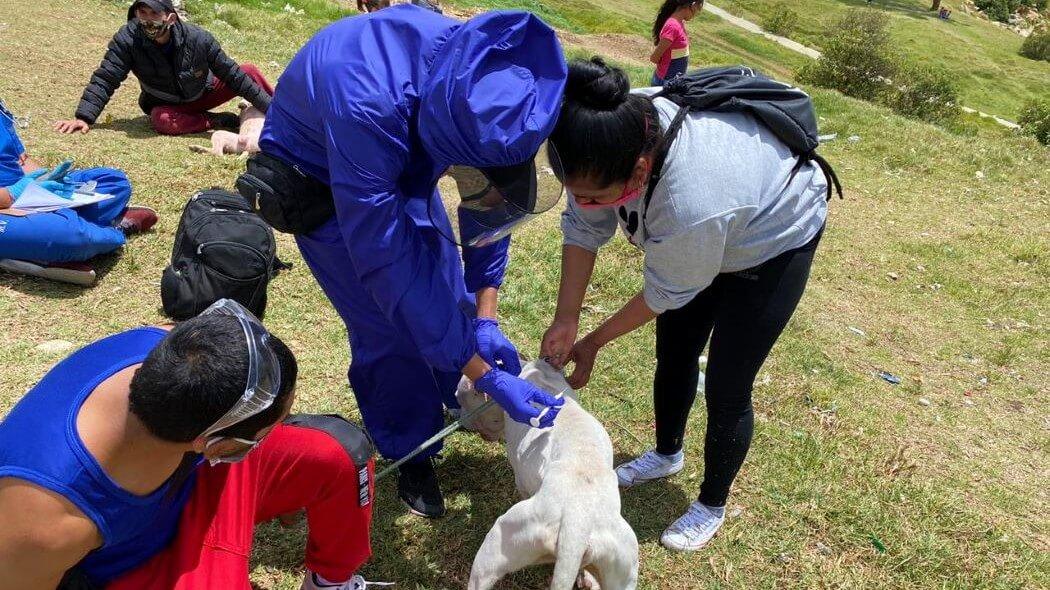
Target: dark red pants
(179, 119)
(293, 468)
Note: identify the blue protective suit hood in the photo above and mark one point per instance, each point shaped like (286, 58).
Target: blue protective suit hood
(493, 91)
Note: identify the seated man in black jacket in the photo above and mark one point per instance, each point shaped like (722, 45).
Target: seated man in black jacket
(181, 68)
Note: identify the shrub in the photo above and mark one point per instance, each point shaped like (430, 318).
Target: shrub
(999, 10)
(781, 20)
(857, 58)
(1037, 45)
(1035, 120)
(926, 93)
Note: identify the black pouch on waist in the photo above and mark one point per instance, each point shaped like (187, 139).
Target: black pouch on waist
(285, 197)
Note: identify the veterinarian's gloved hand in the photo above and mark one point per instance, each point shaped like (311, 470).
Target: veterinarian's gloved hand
(62, 189)
(17, 188)
(523, 401)
(494, 347)
(59, 172)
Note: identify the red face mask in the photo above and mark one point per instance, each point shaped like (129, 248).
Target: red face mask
(625, 197)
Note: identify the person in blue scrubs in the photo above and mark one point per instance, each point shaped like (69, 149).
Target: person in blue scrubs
(66, 235)
(378, 107)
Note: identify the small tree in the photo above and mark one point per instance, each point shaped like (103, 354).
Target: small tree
(925, 92)
(1035, 120)
(857, 58)
(782, 20)
(1037, 45)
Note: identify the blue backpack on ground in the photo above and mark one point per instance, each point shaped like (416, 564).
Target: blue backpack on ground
(785, 110)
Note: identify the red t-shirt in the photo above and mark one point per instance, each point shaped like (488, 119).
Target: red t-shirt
(674, 31)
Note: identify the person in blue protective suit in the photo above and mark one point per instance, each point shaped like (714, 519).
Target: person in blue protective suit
(46, 243)
(377, 108)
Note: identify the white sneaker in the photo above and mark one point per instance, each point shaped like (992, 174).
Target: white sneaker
(694, 529)
(316, 582)
(649, 466)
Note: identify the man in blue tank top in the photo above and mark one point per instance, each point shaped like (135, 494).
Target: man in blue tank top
(144, 460)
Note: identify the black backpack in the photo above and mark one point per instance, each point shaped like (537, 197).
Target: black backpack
(783, 109)
(222, 249)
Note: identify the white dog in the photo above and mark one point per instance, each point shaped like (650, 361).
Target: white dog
(571, 511)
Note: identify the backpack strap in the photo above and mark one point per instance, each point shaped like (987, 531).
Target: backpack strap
(661, 155)
(829, 172)
(825, 167)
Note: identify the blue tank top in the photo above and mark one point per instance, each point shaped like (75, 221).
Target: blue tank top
(39, 443)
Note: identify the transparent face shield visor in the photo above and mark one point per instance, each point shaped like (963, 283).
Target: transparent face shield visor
(264, 372)
(484, 205)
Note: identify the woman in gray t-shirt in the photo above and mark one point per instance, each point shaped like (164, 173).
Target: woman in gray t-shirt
(729, 237)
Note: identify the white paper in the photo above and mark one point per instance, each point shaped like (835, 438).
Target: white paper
(37, 199)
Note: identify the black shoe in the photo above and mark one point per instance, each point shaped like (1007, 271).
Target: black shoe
(417, 486)
(228, 121)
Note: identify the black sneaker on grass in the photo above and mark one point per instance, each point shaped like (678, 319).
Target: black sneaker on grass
(417, 486)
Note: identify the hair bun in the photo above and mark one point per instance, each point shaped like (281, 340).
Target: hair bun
(596, 85)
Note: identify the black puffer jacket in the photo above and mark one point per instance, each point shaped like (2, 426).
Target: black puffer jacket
(197, 59)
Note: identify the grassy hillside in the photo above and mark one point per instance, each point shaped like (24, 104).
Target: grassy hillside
(980, 55)
(938, 256)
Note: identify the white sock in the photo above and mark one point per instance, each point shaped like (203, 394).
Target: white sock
(718, 511)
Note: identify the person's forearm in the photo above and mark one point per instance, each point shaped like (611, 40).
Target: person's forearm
(476, 368)
(577, 266)
(6, 200)
(659, 50)
(630, 317)
(488, 302)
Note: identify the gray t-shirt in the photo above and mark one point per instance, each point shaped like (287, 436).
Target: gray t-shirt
(726, 202)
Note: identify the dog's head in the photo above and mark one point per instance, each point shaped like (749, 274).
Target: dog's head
(541, 374)
(489, 424)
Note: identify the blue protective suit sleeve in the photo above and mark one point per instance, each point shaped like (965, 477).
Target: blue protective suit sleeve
(11, 150)
(485, 266)
(366, 139)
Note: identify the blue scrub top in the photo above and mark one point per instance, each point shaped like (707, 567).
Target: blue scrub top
(11, 148)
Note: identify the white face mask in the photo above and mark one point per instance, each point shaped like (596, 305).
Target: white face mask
(235, 458)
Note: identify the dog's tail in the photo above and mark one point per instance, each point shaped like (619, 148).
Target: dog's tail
(572, 545)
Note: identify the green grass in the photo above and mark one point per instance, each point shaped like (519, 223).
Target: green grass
(955, 493)
(981, 56)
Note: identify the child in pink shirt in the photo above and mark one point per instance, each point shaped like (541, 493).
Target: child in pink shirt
(671, 54)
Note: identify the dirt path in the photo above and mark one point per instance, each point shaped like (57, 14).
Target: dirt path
(754, 28)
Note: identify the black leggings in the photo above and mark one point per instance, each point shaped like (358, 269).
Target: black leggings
(743, 313)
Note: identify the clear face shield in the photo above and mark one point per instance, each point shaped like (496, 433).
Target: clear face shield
(264, 371)
(488, 203)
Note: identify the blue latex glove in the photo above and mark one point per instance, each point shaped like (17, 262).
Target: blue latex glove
(17, 188)
(494, 347)
(517, 396)
(62, 189)
(58, 173)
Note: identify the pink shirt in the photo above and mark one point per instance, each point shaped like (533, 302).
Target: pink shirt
(674, 31)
